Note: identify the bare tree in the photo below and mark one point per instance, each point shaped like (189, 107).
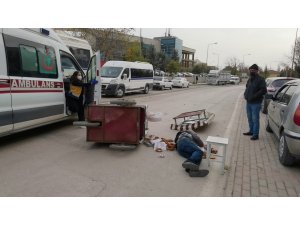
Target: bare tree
(112, 42)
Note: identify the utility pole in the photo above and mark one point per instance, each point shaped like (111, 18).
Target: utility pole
(294, 53)
(141, 42)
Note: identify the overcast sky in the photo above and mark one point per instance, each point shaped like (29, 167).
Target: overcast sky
(266, 46)
(264, 29)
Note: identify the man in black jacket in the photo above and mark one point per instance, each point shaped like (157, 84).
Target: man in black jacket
(255, 90)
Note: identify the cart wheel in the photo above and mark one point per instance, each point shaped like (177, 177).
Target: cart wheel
(122, 146)
(123, 102)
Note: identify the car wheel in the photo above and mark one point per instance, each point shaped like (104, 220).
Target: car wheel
(120, 92)
(146, 90)
(162, 87)
(285, 156)
(171, 87)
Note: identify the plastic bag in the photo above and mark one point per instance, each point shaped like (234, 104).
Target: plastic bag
(154, 117)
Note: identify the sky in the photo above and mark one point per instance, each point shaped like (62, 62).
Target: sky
(265, 31)
(264, 46)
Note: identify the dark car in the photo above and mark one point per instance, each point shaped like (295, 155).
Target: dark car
(273, 84)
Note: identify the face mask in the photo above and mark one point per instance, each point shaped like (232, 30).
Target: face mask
(79, 77)
(252, 74)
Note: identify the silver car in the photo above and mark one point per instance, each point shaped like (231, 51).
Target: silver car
(283, 120)
(273, 84)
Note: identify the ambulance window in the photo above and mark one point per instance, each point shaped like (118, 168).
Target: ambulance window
(47, 62)
(13, 55)
(68, 64)
(29, 60)
(91, 73)
(13, 61)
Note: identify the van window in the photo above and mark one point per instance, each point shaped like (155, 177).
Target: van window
(126, 71)
(141, 73)
(109, 71)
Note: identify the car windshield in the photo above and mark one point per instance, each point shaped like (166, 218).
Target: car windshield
(278, 83)
(157, 78)
(109, 71)
(177, 78)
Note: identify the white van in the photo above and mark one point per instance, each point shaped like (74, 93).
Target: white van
(120, 77)
(217, 77)
(80, 48)
(32, 79)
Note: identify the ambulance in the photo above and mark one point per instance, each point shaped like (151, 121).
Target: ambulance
(33, 79)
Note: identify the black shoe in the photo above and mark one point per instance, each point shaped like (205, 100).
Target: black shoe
(198, 173)
(187, 170)
(248, 133)
(254, 137)
(187, 164)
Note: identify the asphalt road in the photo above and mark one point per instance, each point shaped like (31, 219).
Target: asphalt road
(56, 160)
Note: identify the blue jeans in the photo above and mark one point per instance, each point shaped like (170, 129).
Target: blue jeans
(190, 150)
(253, 110)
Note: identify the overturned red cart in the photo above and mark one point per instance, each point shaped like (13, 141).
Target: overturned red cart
(121, 122)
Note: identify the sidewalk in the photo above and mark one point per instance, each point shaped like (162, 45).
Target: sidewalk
(254, 166)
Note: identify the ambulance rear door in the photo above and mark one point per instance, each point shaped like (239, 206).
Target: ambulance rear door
(6, 122)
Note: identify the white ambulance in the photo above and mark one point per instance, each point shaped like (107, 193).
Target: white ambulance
(80, 48)
(32, 79)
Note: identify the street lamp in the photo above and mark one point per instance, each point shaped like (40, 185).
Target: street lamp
(244, 58)
(207, 50)
(218, 58)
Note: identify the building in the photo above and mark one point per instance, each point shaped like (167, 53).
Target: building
(171, 46)
(188, 57)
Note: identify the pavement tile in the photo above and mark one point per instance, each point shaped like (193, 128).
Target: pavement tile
(273, 193)
(262, 182)
(291, 192)
(263, 191)
(255, 192)
(282, 193)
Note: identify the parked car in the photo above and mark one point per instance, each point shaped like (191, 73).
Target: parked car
(234, 80)
(273, 84)
(160, 82)
(283, 120)
(180, 82)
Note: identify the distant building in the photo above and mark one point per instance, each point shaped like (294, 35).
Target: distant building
(168, 45)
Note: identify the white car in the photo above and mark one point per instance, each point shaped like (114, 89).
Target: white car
(162, 83)
(234, 80)
(180, 82)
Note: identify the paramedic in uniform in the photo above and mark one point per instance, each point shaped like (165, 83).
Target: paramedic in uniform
(76, 91)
